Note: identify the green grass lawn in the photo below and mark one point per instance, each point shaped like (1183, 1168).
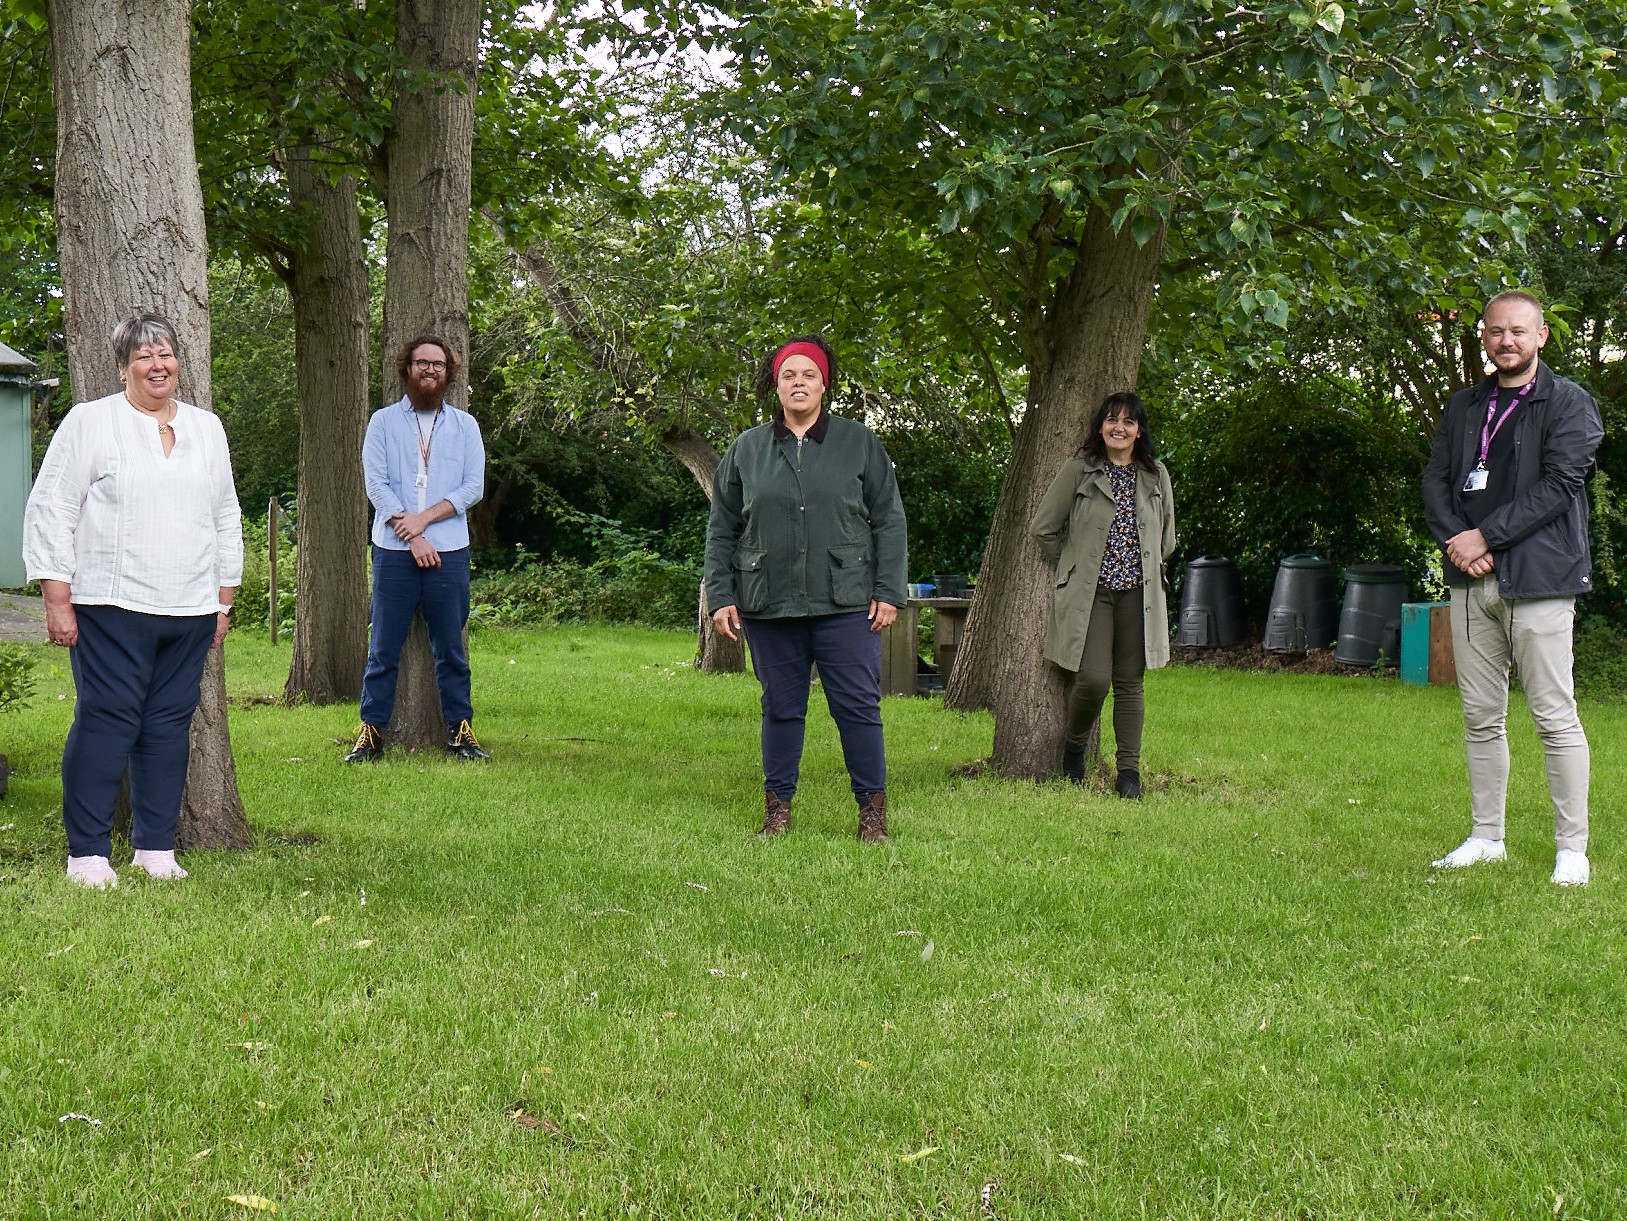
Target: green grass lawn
(573, 984)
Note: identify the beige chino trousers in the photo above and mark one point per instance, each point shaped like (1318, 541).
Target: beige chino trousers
(1534, 634)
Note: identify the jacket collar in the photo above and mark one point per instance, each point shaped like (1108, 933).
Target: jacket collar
(1545, 383)
(817, 433)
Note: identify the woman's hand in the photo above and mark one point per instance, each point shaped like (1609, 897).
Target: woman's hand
(727, 620)
(882, 615)
(61, 621)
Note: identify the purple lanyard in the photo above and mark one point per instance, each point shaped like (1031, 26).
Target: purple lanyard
(1488, 430)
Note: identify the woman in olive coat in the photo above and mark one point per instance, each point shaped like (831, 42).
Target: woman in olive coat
(805, 553)
(1108, 524)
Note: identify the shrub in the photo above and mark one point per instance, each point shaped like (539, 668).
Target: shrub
(251, 607)
(1601, 658)
(16, 675)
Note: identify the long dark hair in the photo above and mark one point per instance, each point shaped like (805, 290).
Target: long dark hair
(1124, 403)
(765, 380)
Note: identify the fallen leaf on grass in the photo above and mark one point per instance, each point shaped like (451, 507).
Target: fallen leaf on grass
(526, 1120)
(63, 950)
(719, 973)
(697, 886)
(320, 920)
(926, 951)
(88, 1119)
(364, 943)
(1071, 1159)
(862, 1063)
(10, 826)
(201, 1154)
(258, 1203)
(1467, 940)
(255, 1048)
(304, 894)
(920, 1155)
(907, 932)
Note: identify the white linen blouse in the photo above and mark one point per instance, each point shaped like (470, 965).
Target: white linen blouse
(126, 526)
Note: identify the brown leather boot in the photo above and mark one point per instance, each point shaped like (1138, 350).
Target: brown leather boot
(776, 814)
(873, 819)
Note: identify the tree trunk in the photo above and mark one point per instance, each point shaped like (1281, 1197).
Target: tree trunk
(715, 653)
(1093, 334)
(130, 236)
(329, 290)
(430, 155)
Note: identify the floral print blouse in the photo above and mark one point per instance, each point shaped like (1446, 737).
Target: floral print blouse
(1121, 559)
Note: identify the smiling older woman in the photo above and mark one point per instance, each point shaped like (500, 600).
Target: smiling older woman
(134, 533)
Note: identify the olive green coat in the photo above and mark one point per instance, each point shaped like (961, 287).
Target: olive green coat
(1071, 526)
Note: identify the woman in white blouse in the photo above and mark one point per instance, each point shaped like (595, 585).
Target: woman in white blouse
(134, 533)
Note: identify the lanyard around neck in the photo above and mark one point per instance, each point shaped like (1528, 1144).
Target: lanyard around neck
(1488, 430)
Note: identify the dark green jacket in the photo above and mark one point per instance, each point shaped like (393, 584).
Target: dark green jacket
(805, 527)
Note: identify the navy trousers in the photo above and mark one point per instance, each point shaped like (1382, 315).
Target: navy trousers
(137, 677)
(401, 589)
(783, 653)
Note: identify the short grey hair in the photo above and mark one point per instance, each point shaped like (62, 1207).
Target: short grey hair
(139, 330)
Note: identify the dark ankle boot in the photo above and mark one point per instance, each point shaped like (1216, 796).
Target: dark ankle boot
(1129, 784)
(776, 814)
(1073, 762)
(873, 819)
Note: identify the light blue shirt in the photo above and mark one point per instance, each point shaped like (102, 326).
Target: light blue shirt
(398, 480)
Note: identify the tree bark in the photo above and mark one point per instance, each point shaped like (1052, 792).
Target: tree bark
(130, 236)
(329, 291)
(1091, 338)
(429, 155)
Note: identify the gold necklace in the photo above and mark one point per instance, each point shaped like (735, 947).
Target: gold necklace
(163, 425)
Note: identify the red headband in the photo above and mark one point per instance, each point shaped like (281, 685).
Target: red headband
(803, 348)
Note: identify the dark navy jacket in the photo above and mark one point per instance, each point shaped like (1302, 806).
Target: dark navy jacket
(1538, 538)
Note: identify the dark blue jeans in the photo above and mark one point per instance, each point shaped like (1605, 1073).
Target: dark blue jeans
(783, 653)
(401, 589)
(137, 678)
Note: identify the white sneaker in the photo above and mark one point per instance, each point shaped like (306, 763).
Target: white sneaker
(158, 864)
(92, 872)
(1570, 868)
(1471, 852)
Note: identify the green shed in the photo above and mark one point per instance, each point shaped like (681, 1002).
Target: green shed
(16, 460)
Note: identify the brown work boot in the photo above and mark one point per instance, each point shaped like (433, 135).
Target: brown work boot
(873, 819)
(776, 814)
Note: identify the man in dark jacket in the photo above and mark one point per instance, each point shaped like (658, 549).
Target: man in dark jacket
(1505, 498)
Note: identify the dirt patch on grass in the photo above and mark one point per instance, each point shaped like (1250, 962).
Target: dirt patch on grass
(1253, 656)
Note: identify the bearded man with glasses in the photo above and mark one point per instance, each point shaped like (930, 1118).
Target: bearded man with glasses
(425, 465)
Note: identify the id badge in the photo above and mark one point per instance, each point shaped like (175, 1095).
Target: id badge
(423, 480)
(1477, 480)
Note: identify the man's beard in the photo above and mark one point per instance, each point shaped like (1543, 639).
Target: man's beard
(422, 399)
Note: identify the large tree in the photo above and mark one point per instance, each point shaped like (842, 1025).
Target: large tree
(429, 167)
(130, 236)
(1298, 151)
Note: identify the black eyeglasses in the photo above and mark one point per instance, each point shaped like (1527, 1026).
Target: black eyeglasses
(430, 366)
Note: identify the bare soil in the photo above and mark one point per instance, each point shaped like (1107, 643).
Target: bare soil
(1252, 656)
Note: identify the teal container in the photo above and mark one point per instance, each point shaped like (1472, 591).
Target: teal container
(1415, 618)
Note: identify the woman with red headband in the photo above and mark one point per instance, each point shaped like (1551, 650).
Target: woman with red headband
(805, 554)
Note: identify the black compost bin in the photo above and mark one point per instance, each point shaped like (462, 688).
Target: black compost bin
(1211, 604)
(1304, 610)
(1370, 623)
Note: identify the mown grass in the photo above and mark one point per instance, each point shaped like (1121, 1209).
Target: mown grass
(587, 990)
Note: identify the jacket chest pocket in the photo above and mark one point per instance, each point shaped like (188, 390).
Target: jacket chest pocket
(751, 580)
(850, 579)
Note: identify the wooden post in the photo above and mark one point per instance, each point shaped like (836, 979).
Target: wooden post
(272, 511)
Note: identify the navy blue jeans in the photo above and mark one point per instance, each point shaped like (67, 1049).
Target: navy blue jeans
(783, 653)
(400, 590)
(137, 679)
